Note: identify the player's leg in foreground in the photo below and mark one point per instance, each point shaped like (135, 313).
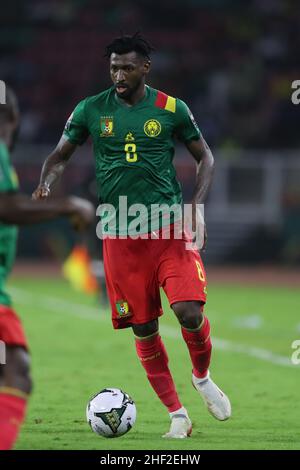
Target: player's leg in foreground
(195, 329)
(153, 356)
(15, 380)
(182, 276)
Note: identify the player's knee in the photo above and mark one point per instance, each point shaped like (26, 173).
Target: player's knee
(146, 329)
(17, 370)
(189, 314)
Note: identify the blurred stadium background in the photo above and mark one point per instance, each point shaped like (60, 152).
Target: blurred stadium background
(233, 62)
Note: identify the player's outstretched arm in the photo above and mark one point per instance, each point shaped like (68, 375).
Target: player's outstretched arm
(53, 167)
(19, 209)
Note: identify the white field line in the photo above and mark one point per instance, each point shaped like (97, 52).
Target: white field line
(56, 304)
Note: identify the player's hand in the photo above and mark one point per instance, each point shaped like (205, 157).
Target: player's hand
(41, 192)
(82, 212)
(204, 239)
(198, 227)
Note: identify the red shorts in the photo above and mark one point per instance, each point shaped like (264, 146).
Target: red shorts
(11, 329)
(136, 269)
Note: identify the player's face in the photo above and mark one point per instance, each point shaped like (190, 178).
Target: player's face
(127, 72)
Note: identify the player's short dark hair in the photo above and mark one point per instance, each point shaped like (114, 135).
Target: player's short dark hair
(124, 44)
(10, 110)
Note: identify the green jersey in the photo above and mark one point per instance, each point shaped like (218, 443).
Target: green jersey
(134, 147)
(8, 233)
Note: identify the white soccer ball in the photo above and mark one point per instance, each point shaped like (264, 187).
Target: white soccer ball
(111, 412)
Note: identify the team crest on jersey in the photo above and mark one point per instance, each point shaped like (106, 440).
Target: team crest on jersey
(152, 128)
(106, 126)
(123, 309)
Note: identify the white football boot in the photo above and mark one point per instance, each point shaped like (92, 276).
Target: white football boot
(216, 401)
(181, 426)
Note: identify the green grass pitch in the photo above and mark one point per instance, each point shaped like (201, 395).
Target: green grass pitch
(76, 353)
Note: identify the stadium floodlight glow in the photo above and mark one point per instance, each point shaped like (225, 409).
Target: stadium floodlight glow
(2, 92)
(2, 353)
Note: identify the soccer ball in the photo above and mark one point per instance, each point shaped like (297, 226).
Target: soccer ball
(111, 413)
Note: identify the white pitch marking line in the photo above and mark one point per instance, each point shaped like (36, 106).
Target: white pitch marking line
(56, 304)
(248, 322)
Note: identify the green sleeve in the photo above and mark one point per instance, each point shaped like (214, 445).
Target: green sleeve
(7, 175)
(3, 177)
(76, 129)
(185, 125)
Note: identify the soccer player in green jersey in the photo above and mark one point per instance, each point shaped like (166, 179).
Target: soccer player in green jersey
(133, 128)
(15, 209)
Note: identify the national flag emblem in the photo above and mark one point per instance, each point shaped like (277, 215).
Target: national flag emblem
(106, 126)
(123, 309)
(166, 102)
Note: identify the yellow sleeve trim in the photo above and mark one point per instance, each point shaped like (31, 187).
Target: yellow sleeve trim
(171, 104)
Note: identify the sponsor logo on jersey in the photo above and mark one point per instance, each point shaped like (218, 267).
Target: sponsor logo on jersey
(152, 128)
(129, 137)
(106, 126)
(123, 309)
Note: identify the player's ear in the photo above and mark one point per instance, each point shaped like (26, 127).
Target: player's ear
(147, 65)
